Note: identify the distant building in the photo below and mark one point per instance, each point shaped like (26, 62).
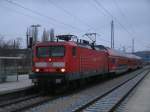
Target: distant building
(145, 55)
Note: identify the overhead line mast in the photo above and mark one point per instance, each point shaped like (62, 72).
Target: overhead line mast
(112, 34)
(133, 45)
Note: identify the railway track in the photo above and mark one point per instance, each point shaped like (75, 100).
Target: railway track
(109, 101)
(23, 99)
(103, 98)
(26, 99)
(23, 103)
(108, 93)
(13, 94)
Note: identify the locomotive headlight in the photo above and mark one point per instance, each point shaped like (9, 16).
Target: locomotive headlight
(37, 70)
(62, 69)
(58, 64)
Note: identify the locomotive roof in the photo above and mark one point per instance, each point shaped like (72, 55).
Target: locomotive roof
(56, 43)
(111, 52)
(72, 43)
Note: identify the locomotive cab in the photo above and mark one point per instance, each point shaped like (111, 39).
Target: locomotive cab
(51, 60)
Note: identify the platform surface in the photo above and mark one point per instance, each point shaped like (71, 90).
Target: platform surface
(140, 100)
(23, 82)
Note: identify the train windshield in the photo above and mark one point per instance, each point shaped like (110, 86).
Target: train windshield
(50, 51)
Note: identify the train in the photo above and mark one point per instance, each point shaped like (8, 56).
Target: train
(65, 60)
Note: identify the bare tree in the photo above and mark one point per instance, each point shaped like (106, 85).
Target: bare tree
(17, 43)
(1, 41)
(10, 44)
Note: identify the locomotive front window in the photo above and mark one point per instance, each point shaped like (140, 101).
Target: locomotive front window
(50, 51)
(42, 52)
(57, 51)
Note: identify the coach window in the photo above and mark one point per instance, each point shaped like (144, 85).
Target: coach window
(74, 51)
(113, 60)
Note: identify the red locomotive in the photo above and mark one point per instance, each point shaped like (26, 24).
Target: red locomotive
(63, 61)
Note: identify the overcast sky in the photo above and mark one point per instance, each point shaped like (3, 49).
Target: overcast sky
(131, 19)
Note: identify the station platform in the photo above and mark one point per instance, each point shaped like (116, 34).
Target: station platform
(12, 86)
(139, 101)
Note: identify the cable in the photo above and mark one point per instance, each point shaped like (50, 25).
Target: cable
(21, 13)
(97, 9)
(70, 14)
(42, 15)
(100, 5)
(33, 11)
(122, 26)
(122, 13)
(104, 15)
(67, 12)
(125, 17)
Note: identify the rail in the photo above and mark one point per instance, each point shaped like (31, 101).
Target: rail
(111, 99)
